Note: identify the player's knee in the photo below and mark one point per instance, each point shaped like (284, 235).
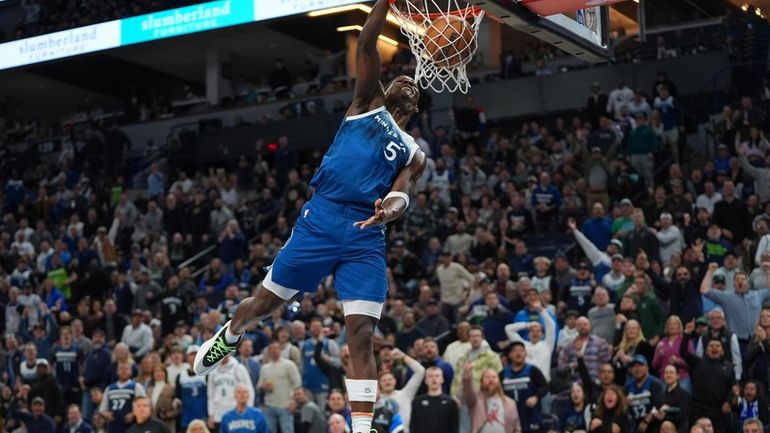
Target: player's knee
(361, 336)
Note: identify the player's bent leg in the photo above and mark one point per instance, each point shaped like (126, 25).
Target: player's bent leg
(360, 319)
(267, 298)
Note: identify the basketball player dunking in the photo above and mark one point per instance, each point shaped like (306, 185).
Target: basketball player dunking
(372, 160)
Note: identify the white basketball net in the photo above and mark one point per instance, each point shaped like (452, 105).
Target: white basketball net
(416, 17)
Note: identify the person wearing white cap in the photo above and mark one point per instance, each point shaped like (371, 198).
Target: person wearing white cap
(191, 392)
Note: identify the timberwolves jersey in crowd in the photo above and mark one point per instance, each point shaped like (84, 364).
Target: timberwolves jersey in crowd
(191, 390)
(118, 399)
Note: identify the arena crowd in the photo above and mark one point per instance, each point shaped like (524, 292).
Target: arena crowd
(650, 318)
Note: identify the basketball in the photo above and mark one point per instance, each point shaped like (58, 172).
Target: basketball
(449, 41)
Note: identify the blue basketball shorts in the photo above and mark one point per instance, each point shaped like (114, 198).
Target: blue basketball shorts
(325, 242)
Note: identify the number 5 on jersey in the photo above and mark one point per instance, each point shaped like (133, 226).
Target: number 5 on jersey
(390, 150)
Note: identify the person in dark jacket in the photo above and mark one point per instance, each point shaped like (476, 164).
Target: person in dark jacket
(145, 422)
(674, 403)
(641, 238)
(97, 370)
(173, 306)
(335, 374)
(713, 379)
(75, 422)
(611, 415)
(37, 421)
(47, 387)
(752, 404)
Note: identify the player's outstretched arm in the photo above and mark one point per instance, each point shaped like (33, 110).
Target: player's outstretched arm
(391, 208)
(368, 90)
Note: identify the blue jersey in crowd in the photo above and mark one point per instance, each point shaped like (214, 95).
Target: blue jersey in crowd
(367, 154)
(251, 420)
(119, 399)
(191, 389)
(67, 367)
(579, 296)
(312, 377)
(518, 386)
(642, 398)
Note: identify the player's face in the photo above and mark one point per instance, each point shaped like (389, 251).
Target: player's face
(404, 94)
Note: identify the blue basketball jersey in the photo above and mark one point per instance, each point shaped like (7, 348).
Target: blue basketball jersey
(67, 362)
(193, 395)
(361, 164)
(119, 401)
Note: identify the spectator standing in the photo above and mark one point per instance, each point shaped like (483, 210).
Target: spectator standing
(611, 414)
(669, 116)
(67, 358)
(642, 144)
(454, 282)
(312, 377)
(311, 417)
(161, 395)
(191, 393)
(434, 411)
(596, 104)
(116, 404)
(245, 418)
(674, 403)
(539, 348)
(401, 398)
(526, 385)
(36, 420)
(546, 200)
(619, 97)
(75, 422)
(595, 350)
(47, 387)
(482, 359)
(138, 336)
(278, 379)
(713, 379)
(644, 394)
(221, 386)
(489, 405)
(96, 373)
(144, 422)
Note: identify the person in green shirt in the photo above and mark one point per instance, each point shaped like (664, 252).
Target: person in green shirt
(624, 222)
(650, 313)
(642, 144)
(60, 278)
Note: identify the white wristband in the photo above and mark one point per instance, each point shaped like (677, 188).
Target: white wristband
(403, 195)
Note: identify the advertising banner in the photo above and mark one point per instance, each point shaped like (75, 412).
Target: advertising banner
(186, 20)
(61, 44)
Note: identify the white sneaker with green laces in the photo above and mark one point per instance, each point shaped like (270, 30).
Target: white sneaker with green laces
(213, 351)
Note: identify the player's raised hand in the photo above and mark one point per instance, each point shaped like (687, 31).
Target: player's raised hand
(377, 218)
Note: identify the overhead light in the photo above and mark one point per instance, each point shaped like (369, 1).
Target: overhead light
(636, 1)
(357, 28)
(745, 7)
(758, 12)
(349, 28)
(339, 9)
(365, 9)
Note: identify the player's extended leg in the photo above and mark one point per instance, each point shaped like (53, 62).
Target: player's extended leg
(361, 382)
(250, 311)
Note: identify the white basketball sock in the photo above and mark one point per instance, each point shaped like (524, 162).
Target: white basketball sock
(230, 337)
(361, 422)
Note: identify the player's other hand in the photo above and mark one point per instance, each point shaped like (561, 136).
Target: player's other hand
(376, 219)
